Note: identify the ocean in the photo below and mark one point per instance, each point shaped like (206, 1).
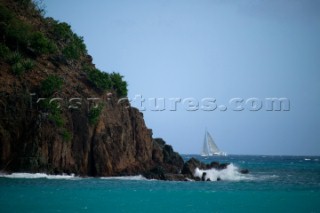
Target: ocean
(274, 184)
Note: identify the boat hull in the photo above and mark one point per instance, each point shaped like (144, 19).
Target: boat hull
(214, 154)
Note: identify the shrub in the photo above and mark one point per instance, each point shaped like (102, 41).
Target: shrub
(18, 68)
(79, 43)
(51, 85)
(99, 79)
(62, 31)
(18, 63)
(48, 87)
(41, 44)
(105, 81)
(71, 52)
(118, 84)
(20, 34)
(14, 58)
(17, 32)
(57, 119)
(66, 135)
(53, 110)
(75, 48)
(94, 114)
(28, 64)
(4, 51)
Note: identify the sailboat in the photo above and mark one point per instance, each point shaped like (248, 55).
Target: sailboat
(210, 148)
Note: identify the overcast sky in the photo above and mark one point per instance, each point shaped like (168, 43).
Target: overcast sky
(212, 49)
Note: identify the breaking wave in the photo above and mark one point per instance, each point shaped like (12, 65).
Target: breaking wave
(63, 176)
(138, 177)
(39, 175)
(231, 173)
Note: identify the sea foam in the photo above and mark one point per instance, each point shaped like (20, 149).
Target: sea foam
(137, 177)
(39, 175)
(231, 173)
(63, 176)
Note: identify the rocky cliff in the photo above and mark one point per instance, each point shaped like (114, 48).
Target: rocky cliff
(58, 112)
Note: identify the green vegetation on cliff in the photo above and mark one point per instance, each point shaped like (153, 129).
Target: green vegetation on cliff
(18, 63)
(22, 40)
(105, 81)
(21, 35)
(75, 46)
(94, 114)
(48, 87)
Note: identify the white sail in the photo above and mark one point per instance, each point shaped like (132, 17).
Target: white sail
(205, 150)
(212, 146)
(209, 147)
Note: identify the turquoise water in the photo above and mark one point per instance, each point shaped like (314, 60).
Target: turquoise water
(277, 184)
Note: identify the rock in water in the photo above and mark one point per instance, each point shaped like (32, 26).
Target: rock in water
(190, 166)
(244, 171)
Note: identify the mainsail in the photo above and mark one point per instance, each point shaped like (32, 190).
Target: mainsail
(209, 147)
(205, 150)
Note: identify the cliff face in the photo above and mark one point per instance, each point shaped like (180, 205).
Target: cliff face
(119, 143)
(42, 58)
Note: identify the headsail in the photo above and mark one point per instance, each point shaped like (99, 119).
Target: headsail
(209, 147)
(212, 146)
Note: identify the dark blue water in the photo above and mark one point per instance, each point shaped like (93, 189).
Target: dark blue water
(277, 184)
